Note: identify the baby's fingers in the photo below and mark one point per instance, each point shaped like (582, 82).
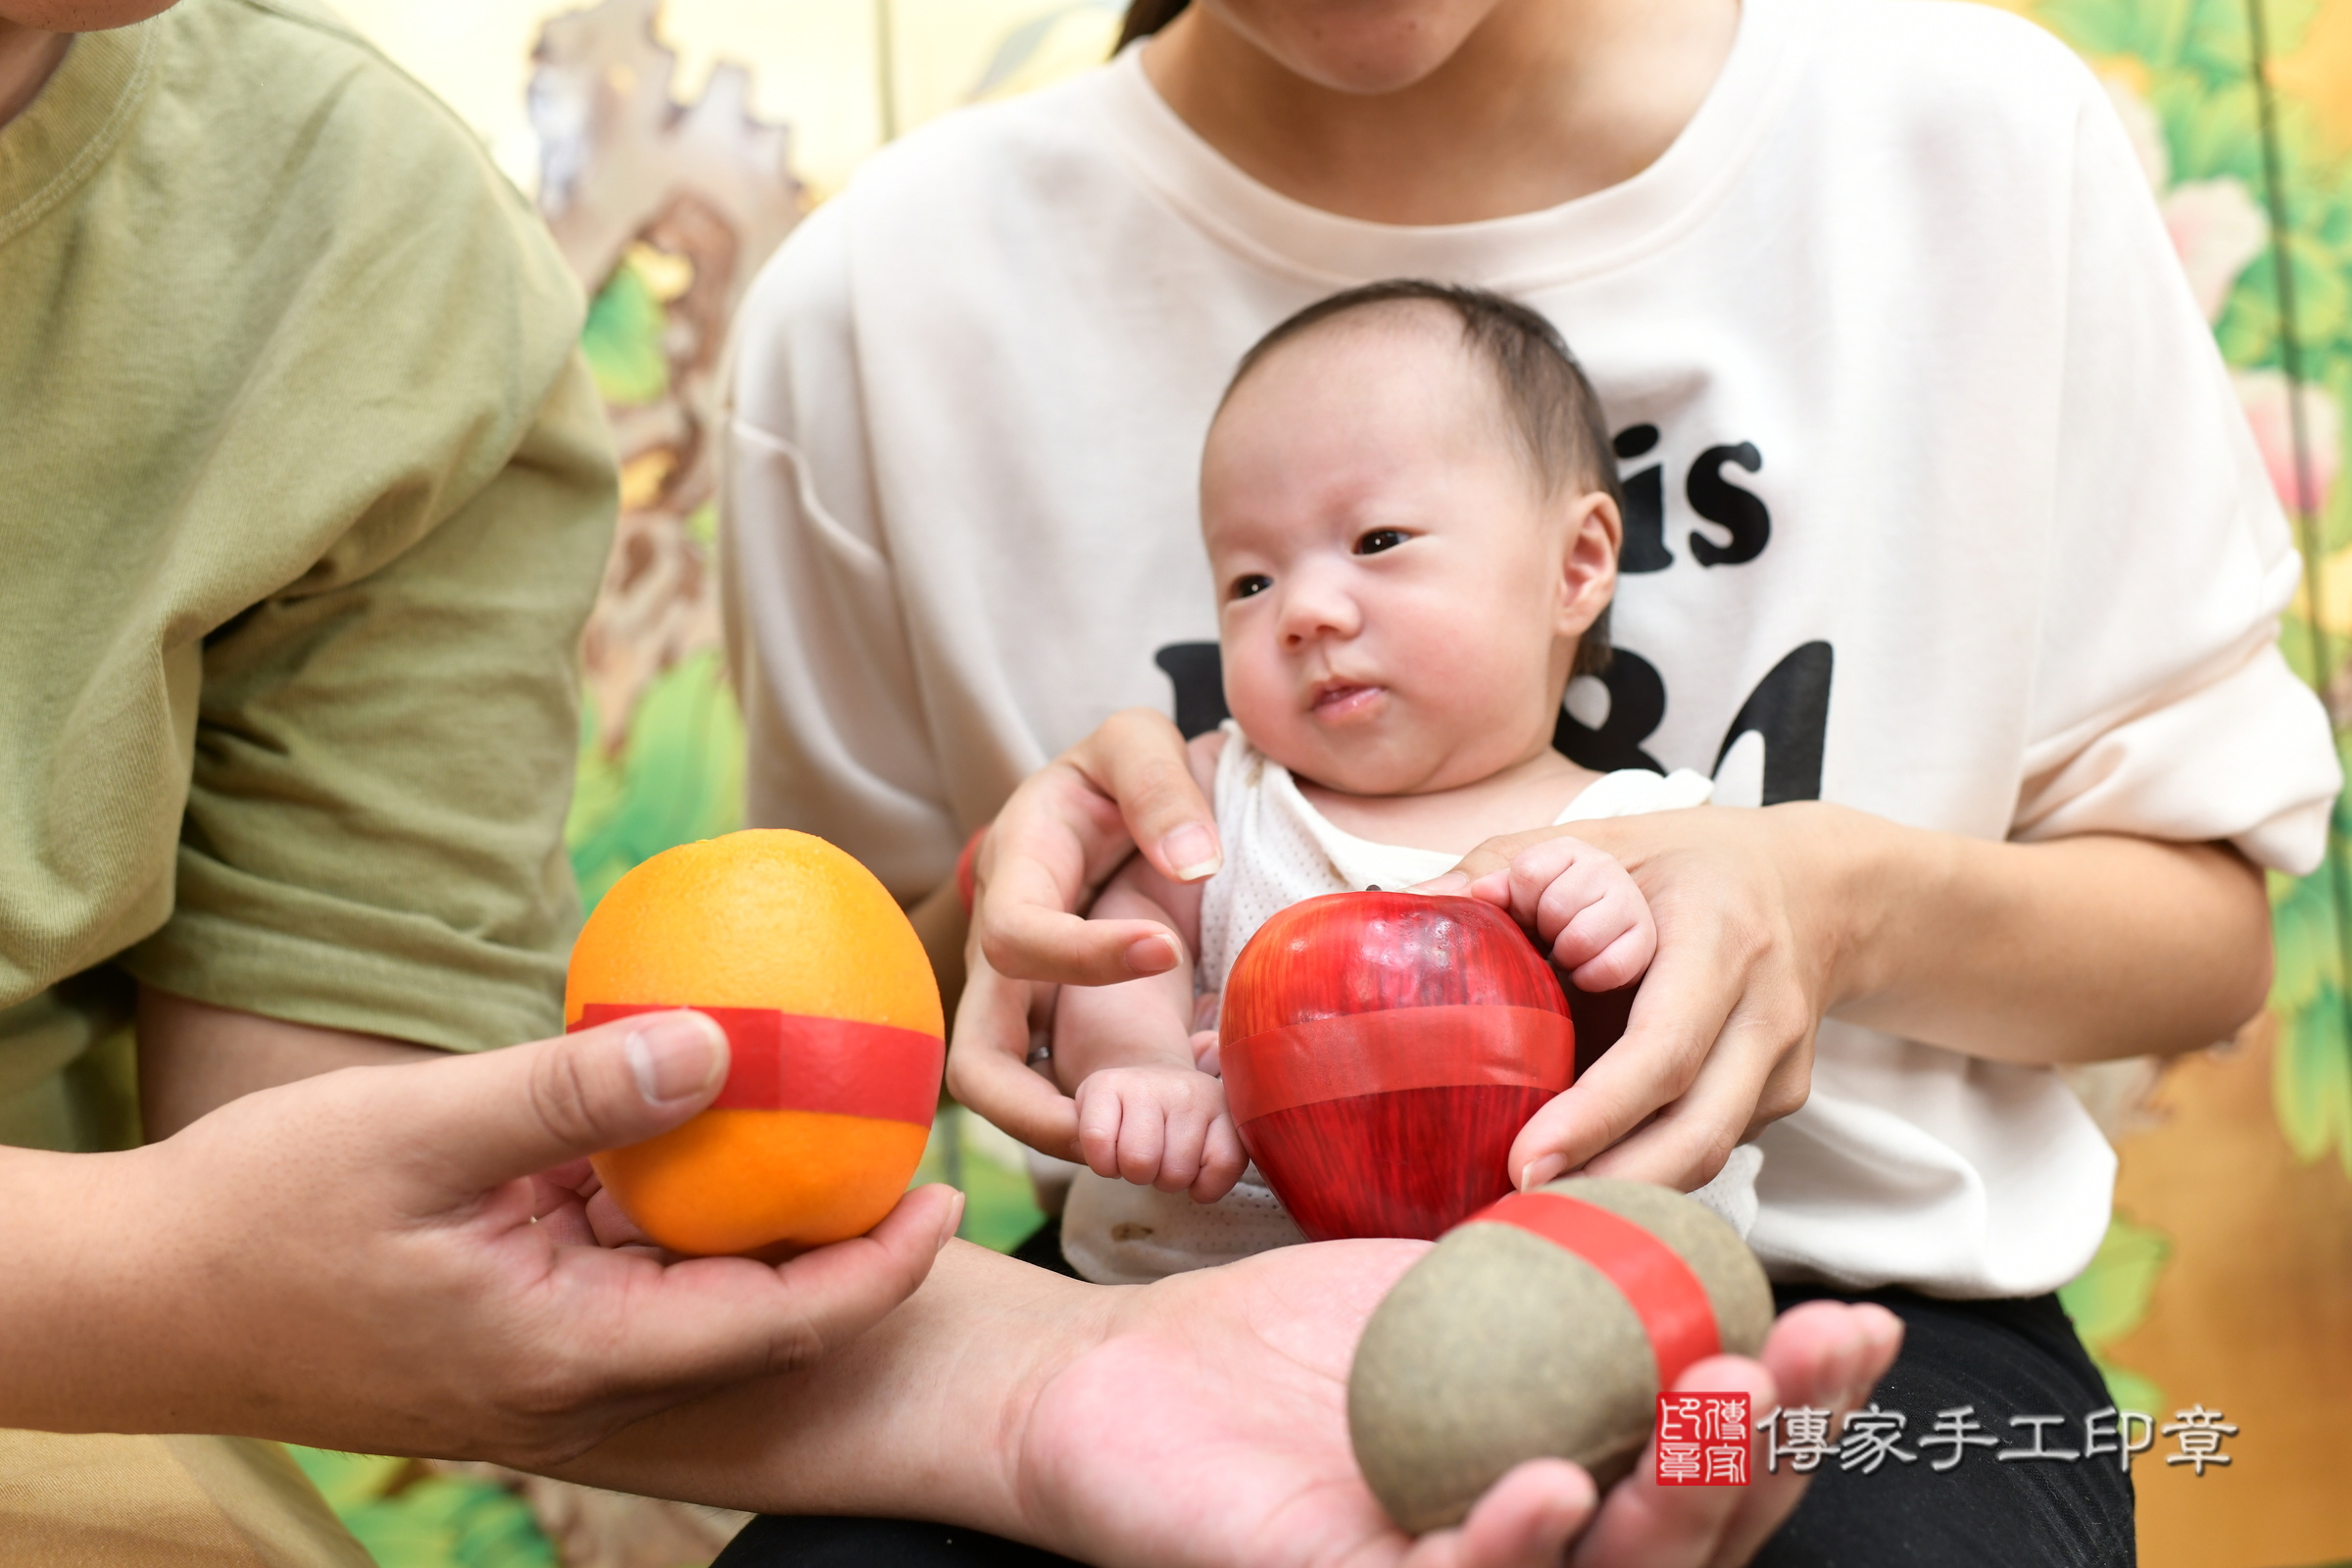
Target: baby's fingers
(1620, 964)
(1143, 1143)
(1222, 1161)
(1102, 1120)
(1609, 942)
(1185, 1141)
(1519, 886)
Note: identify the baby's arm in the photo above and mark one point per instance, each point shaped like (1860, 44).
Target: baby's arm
(1127, 1053)
(1146, 1110)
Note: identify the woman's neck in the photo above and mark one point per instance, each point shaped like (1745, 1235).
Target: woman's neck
(27, 57)
(1544, 102)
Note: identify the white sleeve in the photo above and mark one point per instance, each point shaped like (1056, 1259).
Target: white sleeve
(2163, 706)
(815, 635)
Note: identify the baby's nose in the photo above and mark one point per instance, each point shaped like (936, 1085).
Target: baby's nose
(1311, 612)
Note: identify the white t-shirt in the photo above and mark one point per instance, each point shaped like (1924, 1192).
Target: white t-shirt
(1940, 507)
(1280, 851)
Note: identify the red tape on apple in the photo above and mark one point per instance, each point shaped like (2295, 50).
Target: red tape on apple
(1662, 1290)
(799, 1061)
(1450, 1046)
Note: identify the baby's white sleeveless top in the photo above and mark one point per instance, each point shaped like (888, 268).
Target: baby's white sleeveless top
(1280, 851)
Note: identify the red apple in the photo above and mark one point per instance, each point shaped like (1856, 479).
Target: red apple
(1380, 1052)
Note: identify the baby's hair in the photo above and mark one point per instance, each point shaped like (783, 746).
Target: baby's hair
(1555, 416)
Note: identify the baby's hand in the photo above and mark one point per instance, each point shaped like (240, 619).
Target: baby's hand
(1160, 1126)
(1584, 908)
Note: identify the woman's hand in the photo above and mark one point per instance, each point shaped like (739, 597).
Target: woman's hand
(2074, 950)
(1720, 1041)
(1243, 1371)
(366, 1260)
(1058, 839)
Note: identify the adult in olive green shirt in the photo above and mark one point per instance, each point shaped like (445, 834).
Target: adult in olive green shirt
(302, 499)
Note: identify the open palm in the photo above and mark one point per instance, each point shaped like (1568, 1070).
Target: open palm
(1209, 1426)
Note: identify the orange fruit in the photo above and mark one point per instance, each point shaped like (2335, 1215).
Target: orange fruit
(833, 1016)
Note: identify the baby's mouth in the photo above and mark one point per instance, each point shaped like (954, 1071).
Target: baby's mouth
(1338, 699)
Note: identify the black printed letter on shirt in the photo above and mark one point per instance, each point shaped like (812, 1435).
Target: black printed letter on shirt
(1790, 710)
(1197, 672)
(1637, 706)
(1645, 505)
(1736, 512)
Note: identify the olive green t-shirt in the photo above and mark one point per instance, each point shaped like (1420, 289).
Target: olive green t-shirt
(304, 498)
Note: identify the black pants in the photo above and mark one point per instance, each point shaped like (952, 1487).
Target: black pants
(2004, 1358)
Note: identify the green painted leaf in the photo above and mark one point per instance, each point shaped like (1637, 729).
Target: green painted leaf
(678, 777)
(407, 1521)
(2248, 331)
(2304, 936)
(622, 340)
(2107, 27)
(451, 1522)
(347, 1480)
(2110, 1298)
(2311, 1077)
(2322, 291)
(2132, 1392)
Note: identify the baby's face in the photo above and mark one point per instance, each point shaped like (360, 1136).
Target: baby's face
(1398, 602)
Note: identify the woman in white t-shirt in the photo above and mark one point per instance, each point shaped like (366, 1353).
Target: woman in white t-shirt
(1944, 541)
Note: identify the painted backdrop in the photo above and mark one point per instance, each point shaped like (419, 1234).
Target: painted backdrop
(673, 146)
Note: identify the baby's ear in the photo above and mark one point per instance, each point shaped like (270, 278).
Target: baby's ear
(1596, 527)
(1588, 550)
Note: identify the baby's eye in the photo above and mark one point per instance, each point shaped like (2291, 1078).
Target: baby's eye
(1256, 582)
(1379, 539)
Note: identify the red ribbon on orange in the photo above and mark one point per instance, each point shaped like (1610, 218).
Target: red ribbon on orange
(800, 1061)
(1651, 1276)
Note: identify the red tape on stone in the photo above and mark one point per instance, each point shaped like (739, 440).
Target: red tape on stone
(796, 1061)
(1651, 1276)
(1397, 1048)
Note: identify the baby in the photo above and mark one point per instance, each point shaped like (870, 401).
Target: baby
(1413, 519)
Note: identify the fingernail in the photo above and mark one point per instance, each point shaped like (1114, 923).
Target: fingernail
(675, 1055)
(1451, 882)
(1192, 851)
(1539, 1171)
(1151, 956)
(952, 1223)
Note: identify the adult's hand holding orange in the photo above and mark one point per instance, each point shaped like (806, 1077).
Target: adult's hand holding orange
(833, 1022)
(399, 1261)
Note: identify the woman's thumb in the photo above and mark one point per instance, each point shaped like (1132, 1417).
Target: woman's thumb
(528, 1109)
